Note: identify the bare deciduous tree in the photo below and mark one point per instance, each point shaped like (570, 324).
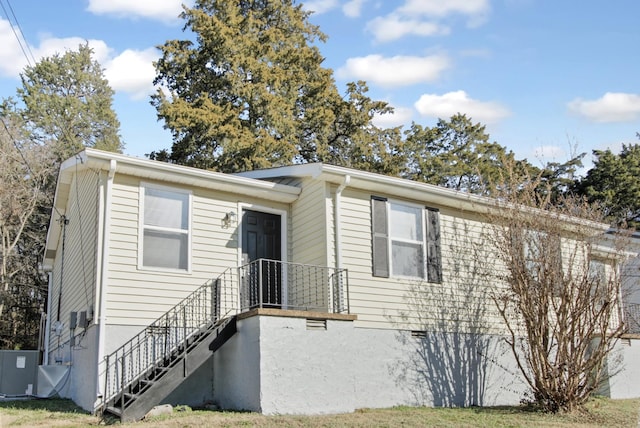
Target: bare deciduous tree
(24, 179)
(561, 296)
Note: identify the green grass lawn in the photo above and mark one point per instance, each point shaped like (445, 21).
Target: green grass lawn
(600, 412)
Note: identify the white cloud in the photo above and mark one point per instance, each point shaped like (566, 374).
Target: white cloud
(132, 72)
(423, 18)
(611, 107)
(440, 8)
(13, 59)
(400, 116)
(353, 8)
(52, 45)
(318, 6)
(393, 27)
(447, 105)
(394, 71)
(162, 10)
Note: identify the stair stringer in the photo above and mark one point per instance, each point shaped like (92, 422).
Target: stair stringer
(174, 373)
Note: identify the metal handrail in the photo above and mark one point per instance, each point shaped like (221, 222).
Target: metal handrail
(165, 336)
(293, 286)
(261, 283)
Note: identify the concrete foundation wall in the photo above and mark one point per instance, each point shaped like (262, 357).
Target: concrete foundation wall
(81, 383)
(624, 367)
(306, 369)
(237, 368)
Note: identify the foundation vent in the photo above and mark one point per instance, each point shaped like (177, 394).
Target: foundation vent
(316, 324)
(418, 334)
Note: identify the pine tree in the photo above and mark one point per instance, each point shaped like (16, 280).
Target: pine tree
(250, 91)
(67, 104)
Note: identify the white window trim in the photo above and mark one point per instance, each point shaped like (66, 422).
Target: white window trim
(391, 239)
(142, 227)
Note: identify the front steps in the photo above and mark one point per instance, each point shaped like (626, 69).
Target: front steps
(151, 387)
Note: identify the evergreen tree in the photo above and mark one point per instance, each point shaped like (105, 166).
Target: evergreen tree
(250, 92)
(67, 104)
(457, 154)
(614, 182)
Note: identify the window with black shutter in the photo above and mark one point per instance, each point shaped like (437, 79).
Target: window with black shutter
(406, 240)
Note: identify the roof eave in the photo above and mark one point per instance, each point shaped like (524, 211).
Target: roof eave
(158, 171)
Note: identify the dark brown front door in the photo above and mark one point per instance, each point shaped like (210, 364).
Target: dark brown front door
(261, 239)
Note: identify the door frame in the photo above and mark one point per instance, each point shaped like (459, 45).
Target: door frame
(284, 244)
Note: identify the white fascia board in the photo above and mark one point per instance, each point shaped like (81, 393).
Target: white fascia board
(408, 189)
(312, 170)
(178, 174)
(160, 171)
(376, 183)
(59, 207)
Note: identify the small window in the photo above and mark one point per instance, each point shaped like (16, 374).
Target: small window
(406, 240)
(165, 224)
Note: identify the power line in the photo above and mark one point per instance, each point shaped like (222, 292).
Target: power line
(23, 46)
(26, 43)
(24, 159)
(15, 144)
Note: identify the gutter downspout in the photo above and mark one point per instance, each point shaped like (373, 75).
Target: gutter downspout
(337, 228)
(105, 212)
(47, 328)
(336, 221)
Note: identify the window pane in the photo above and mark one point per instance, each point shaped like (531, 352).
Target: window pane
(166, 209)
(406, 222)
(407, 259)
(165, 249)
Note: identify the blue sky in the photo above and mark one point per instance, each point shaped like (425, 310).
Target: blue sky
(546, 77)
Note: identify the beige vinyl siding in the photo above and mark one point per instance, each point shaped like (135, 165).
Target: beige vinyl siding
(140, 296)
(80, 263)
(309, 225)
(461, 303)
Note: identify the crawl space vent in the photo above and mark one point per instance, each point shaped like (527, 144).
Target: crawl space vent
(316, 324)
(418, 334)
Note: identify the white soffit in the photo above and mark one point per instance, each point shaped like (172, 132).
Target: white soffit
(188, 176)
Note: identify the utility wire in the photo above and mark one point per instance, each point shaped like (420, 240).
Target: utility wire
(24, 52)
(24, 46)
(24, 159)
(15, 144)
(15, 18)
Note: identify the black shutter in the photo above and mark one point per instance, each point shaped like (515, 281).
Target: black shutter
(434, 259)
(379, 237)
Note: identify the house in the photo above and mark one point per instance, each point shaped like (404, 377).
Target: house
(302, 289)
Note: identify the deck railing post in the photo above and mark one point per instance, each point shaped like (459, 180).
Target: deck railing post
(106, 390)
(122, 384)
(260, 283)
(184, 341)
